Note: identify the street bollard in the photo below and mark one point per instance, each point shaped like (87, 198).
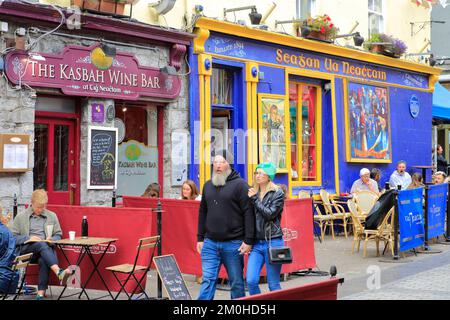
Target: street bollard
(158, 212)
(425, 220)
(113, 204)
(396, 224)
(15, 207)
(447, 231)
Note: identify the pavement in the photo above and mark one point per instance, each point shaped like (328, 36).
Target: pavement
(421, 276)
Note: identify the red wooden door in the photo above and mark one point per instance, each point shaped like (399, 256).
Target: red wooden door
(54, 159)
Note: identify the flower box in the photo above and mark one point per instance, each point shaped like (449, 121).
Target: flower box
(109, 6)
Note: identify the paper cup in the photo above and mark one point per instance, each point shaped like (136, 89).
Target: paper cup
(71, 235)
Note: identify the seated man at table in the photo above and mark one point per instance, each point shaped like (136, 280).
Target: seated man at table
(31, 228)
(439, 177)
(400, 177)
(365, 182)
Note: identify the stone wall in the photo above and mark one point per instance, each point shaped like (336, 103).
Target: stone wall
(16, 116)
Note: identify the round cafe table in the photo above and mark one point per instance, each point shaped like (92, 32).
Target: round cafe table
(424, 171)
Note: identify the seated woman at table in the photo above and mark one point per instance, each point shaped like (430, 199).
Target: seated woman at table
(152, 191)
(417, 181)
(189, 191)
(31, 229)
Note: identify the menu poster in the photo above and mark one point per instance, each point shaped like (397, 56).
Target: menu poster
(102, 158)
(15, 156)
(171, 277)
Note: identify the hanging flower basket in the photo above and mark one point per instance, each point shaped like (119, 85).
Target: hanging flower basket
(319, 28)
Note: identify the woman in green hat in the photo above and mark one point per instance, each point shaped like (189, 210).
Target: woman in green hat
(268, 203)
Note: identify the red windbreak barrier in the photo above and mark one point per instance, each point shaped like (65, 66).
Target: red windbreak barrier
(128, 225)
(322, 290)
(179, 232)
(297, 223)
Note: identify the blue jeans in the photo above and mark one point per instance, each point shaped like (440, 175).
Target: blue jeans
(258, 257)
(45, 256)
(214, 254)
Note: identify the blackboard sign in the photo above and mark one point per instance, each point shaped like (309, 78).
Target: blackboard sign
(102, 158)
(171, 277)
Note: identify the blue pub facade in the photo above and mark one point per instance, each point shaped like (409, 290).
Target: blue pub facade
(318, 111)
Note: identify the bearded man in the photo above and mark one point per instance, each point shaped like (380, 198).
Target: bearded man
(226, 227)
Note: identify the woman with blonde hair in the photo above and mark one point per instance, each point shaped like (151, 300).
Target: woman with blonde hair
(189, 191)
(417, 181)
(268, 202)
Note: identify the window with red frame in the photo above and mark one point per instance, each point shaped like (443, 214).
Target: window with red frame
(303, 134)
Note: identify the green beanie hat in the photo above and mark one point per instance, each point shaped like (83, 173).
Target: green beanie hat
(269, 168)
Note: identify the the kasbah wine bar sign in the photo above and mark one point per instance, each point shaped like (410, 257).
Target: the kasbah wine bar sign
(87, 71)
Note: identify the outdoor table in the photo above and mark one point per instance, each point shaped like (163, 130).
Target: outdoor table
(424, 171)
(85, 245)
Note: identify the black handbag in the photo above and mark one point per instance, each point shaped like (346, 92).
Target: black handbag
(279, 255)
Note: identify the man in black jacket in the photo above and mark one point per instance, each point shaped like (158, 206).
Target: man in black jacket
(226, 227)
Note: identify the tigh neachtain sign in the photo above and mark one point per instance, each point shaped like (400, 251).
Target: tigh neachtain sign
(86, 71)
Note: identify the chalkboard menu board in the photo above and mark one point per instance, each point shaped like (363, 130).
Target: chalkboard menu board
(171, 277)
(102, 158)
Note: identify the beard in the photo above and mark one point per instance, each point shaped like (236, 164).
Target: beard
(220, 179)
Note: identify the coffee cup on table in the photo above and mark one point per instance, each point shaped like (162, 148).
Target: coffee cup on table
(71, 235)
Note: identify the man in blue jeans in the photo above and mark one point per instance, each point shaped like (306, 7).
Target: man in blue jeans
(226, 227)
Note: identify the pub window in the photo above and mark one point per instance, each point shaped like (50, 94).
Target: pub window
(306, 8)
(305, 134)
(376, 20)
(222, 87)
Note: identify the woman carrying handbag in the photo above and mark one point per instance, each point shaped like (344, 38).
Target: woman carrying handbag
(268, 201)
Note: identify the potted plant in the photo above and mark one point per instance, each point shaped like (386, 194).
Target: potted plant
(382, 43)
(320, 27)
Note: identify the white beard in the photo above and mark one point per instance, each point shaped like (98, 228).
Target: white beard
(220, 179)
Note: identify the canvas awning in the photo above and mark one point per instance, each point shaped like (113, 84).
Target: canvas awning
(441, 102)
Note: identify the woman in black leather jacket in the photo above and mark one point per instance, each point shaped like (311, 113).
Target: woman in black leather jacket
(268, 202)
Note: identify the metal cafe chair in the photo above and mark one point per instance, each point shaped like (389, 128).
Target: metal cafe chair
(131, 270)
(20, 265)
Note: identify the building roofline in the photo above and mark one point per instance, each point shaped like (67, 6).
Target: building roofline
(311, 45)
(95, 23)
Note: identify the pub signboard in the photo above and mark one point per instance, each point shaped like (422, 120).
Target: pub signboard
(87, 71)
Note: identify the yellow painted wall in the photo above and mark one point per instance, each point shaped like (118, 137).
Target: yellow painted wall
(397, 13)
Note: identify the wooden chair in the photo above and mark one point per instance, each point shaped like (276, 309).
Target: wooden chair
(20, 265)
(358, 228)
(130, 270)
(335, 209)
(365, 200)
(324, 221)
(303, 194)
(384, 231)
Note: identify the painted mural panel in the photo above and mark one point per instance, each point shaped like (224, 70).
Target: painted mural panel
(368, 123)
(273, 130)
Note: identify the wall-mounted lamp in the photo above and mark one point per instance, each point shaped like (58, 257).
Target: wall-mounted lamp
(36, 56)
(109, 50)
(288, 21)
(255, 17)
(358, 40)
(424, 23)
